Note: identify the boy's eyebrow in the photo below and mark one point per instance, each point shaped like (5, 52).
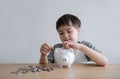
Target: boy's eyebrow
(66, 29)
(59, 30)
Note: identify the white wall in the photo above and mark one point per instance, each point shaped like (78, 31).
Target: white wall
(26, 24)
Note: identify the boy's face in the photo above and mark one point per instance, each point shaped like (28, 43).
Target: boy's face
(68, 33)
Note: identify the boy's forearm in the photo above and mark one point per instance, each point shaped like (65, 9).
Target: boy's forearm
(43, 60)
(98, 58)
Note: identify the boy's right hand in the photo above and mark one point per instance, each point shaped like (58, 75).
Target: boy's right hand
(45, 48)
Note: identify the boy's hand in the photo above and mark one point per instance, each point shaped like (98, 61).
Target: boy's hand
(71, 44)
(45, 48)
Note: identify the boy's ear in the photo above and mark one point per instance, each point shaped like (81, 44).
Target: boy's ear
(78, 30)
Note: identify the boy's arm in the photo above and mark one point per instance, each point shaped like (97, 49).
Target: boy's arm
(98, 58)
(43, 59)
(49, 58)
(44, 50)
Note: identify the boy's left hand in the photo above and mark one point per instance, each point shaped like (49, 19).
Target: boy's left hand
(71, 44)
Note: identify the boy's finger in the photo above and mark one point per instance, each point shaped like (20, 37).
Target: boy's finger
(66, 45)
(47, 46)
(45, 50)
(63, 44)
(43, 53)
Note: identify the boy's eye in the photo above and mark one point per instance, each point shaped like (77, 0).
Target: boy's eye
(61, 33)
(69, 31)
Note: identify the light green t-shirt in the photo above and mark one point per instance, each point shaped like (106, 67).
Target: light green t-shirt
(80, 56)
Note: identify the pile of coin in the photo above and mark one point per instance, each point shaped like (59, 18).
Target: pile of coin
(33, 69)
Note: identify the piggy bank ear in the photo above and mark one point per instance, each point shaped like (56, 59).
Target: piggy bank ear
(56, 50)
(71, 50)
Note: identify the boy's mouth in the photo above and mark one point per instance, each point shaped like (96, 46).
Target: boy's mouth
(67, 40)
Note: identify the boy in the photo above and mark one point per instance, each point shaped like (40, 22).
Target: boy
(68, 28)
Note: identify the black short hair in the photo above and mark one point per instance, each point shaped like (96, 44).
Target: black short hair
(66, 19)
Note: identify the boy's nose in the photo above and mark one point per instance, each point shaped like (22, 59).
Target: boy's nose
(65, 35)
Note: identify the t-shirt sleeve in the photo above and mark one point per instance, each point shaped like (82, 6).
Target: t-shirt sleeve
(50, 56)
(90, 45)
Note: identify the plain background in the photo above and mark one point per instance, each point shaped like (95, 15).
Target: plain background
(26, 24)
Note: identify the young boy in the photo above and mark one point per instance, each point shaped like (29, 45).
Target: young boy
(68, 28)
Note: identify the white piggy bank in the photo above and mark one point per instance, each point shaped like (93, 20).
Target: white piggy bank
(64, 57)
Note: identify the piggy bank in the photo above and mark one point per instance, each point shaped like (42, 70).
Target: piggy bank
(64, 57)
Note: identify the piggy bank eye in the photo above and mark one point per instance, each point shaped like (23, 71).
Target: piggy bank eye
(61, 53)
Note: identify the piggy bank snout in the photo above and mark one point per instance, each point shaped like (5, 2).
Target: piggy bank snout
(65, 59)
